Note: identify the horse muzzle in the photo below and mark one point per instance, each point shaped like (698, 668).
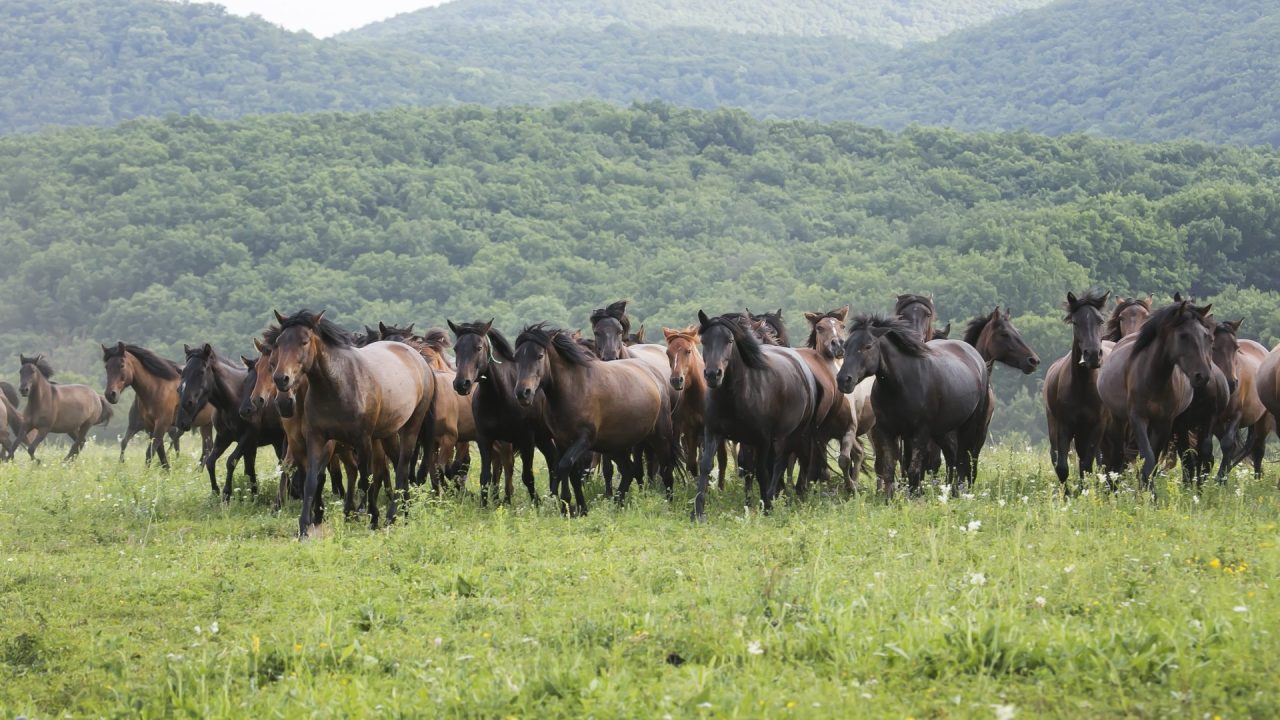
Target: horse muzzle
(112, 396)
(282, 382)
(1031, 365)
(845, 384)
(286, 406)
(462, 386)
(714, 377)
(1199, 380)
(24, 391)
(677, 382)
(524, 396)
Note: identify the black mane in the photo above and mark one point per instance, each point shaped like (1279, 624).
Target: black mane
(973, 330)
(617, 311)
(42, 364)
(899, 333)
(501, 347)
(1166, 316)
(330, 333)
(153, 363)
(1093, 297)
(559, 340)
(911, 299)
(749, 348)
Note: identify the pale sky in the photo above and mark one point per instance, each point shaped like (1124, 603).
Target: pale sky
(323, 18)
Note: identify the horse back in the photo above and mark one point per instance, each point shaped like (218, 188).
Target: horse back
(395, 380)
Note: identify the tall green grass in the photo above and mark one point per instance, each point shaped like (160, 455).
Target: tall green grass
(127, 591)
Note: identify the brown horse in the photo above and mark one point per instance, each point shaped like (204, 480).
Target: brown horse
(1127, 318)
(1150, 378)
(155, 383)
(1072, 406)
(823, 352)
(260, 399)
(919, 313)
(1267, 383)
(135, 426)
(1246, 410)
(52, 407)
(1195, 428)
(592, 405)
(689, 412)
(382, 391)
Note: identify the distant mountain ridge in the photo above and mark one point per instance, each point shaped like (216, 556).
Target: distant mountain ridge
(889, 22)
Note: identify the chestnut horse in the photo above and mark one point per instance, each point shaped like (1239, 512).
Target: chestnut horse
(1246, 410)
(1071, 403)
(155, 383)
(1150, 378)
(937, 392)
(380, 392)
(52, 407)
(688, 414)
(592, 405)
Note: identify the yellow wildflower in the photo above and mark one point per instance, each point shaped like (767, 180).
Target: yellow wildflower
(1215, 563)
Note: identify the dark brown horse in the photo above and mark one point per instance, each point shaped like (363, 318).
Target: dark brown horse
(1127, 318)
(1195, 428)
(207, 379)
(919, 313)
(1072, 406)
(761, 396)
(1150, 378)
(380, 392)
(591, 405)
(155, 383)
(55, 408)
(1267, 383)
(776, 333)
(688, 415)
(936, 392)
(487, 372)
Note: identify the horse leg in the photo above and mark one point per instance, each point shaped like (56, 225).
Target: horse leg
(526, 469)
(486, 469)
(1149, 438)
(317, 458)
(606, 472)
(211, 462)
(886, 460)
(373, 465)
(1231, 451)
(629, 468)
(392, 460)
(250, 457)
(710, 443)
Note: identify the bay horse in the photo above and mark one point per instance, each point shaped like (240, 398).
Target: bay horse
(761, 396)
(258, 398)
(689, 412)
(56, 408)
(1072, 406)
(839, 420)
(155, 383)
(1267, 383)
(208, 379)
(12, 432)
(1195, 428)
(380, 392)
(609, 407)
(1150, 378)
(918, 312)
(487, 372)
(937, 392)
(135, 426)
(1246, 410)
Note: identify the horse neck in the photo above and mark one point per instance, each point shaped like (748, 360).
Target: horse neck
(41, 394)
(1078, 369)
(1155, 361)
(149, 388)
(897, 368)
(227, 381)
(501, 375)
(331, 370)
(563, 376)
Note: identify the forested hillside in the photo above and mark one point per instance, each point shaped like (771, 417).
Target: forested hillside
(83, 62)
(168, 231)
(890, 22)
(1145, 70)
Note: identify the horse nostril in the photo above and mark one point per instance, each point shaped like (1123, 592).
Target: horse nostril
(1034, 361)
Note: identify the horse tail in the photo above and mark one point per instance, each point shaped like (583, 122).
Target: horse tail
(10, 393)
(104, 416)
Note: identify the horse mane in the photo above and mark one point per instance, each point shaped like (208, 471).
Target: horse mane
(690, 334)
(899, 333)
(501, 346)
(1093, 297)
(162, 368)
(973, 330)
(560, 341)
(330, 333)
(774, 321)
(911, 299)
(616, 310)
(1111, 331)
(42, 364)
(10, 394)
(749, 348)
(1166, 316)
(812, 342)
(437, 338)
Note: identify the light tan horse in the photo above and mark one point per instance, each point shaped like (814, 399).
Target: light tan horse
(155, 382)
(55, 408)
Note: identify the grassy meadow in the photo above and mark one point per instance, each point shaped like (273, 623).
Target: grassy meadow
(127, 591)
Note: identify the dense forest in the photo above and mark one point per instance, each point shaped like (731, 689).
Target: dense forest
(184, 229)
(890, 22)
(1147, 70)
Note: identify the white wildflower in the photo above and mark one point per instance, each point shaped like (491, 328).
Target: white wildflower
(213, 627)
(754, 648)
(1240, 609)
(977, 578)
(975, 525)
(1040, 601)
(1069, 569)
(1004, 712)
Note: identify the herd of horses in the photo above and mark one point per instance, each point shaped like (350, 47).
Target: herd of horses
(386, 405)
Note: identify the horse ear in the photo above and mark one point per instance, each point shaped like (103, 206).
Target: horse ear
(878, 331)
(813, 317)
(488, 326)
(1204, 311)
(279, 317)
(1105, 295)
(105, 352)
(841, 314)
(703, 320)
(315, 321)
(207, 350)
(779, 313)
(452, 327)
(617, 309)
(1235, 325)
(186, 349)
(668, 333)
(1072, 300)
(247, 362)
(409, 330)
(120, 347)
(640, 335)
(1177, 297)
(382, 328)
(260, 346)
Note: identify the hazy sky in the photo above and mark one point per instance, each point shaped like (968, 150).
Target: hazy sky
(323, 17)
